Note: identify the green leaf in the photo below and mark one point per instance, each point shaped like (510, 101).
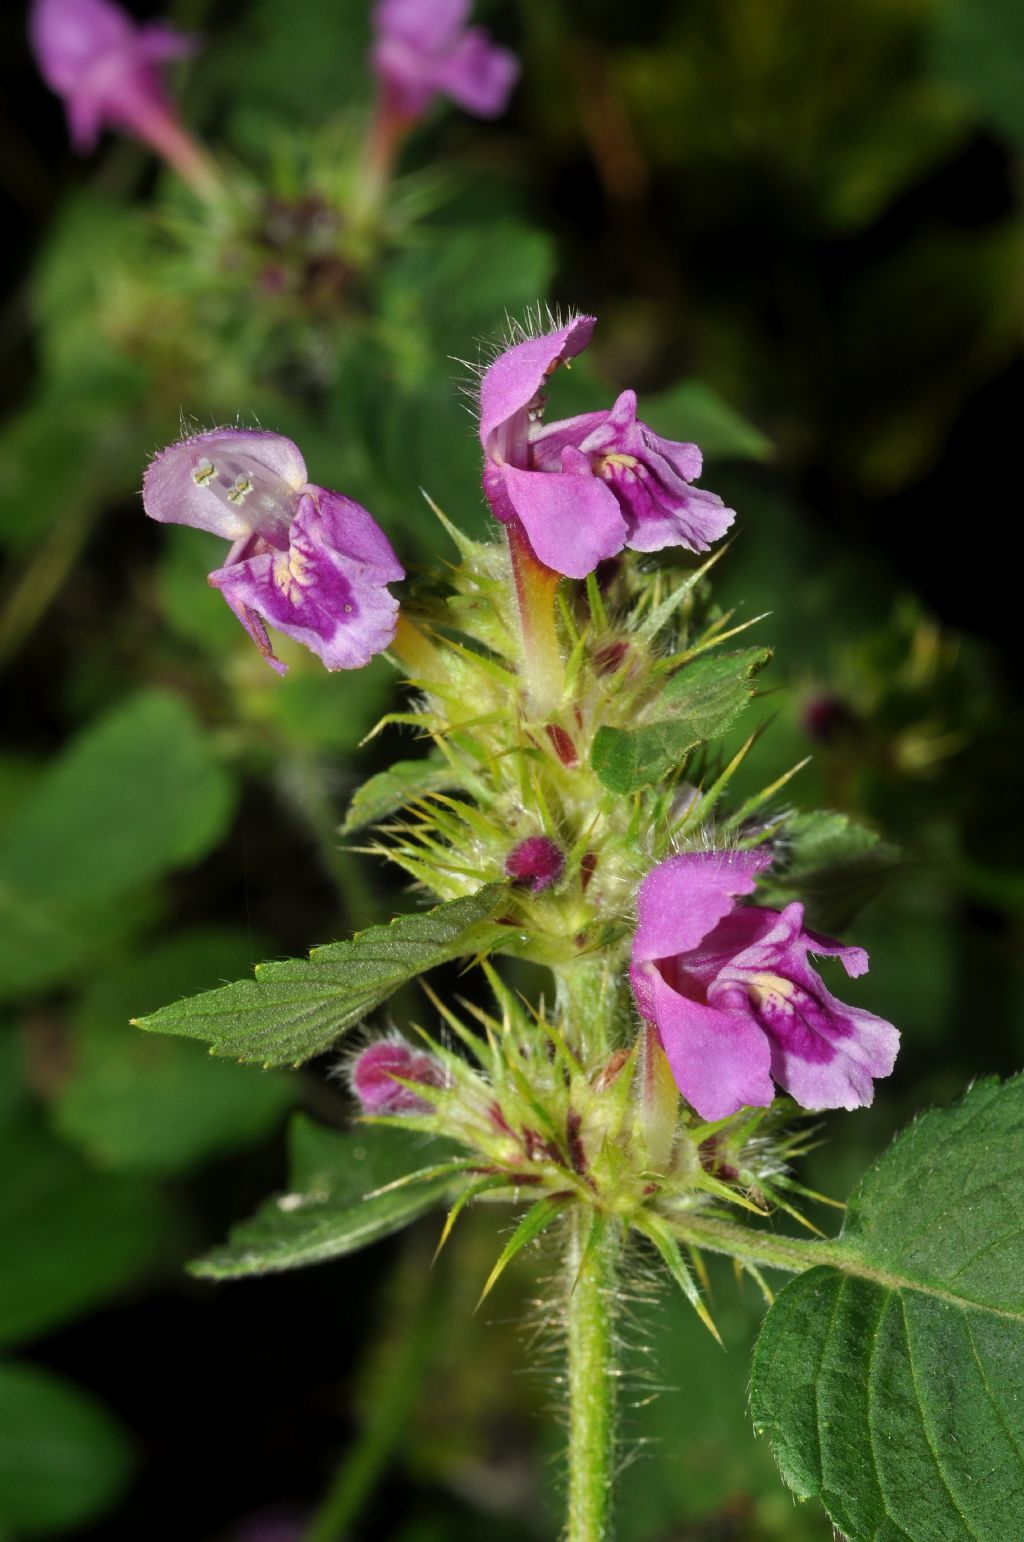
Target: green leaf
(63, 1458)
(296, 1009)
(393, 788)
(833, 864)
(70, 1236)
(144, 1104)
(327, 1214)
(977, 46)
(890, 1385)
(137, 793)
(694, 412)
(699, 702)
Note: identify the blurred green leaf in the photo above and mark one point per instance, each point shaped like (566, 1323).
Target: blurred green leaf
(699, 702)
(327, 1214)
(137, 793)
(71, 1236)
(893, 1392)
(978, 47)
(63, 1458)
(694, 412)
(296, 1009)
(144, 1104)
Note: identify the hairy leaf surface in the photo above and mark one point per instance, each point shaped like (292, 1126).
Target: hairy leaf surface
(297, 1008)
(326, 1214)
(892, 1386)
(699, 702)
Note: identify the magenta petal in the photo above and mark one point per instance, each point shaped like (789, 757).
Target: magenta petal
(573, 521)
(347, 529)
(863, 1048)
(479, 75)
(176, 488)
(160, 43)
(427, 25)
(825, 1053)
(323, 598)
(513, 380)
(694, 520)
(720, 1061)
(684, 897)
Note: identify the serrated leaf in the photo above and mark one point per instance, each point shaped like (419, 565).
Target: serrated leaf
(296, 1009)
(63, 1458)
(392, 789)
(699, 702)
(891, 1385)
(326, 1214)
(831, 863)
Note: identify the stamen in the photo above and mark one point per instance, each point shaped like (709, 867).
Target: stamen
(204, 472)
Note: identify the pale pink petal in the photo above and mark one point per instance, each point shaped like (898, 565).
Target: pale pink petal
(516, 376)
(573, 521)
(684, 897)
(720, 1061)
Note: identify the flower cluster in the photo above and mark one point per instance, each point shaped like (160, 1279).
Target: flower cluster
(725, 991)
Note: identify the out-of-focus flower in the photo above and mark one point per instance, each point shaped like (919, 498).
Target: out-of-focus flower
(585, 487)
(107, 69)
(423, 47)
(537, 862)
(735, 1000)
(373, 1077)
(310, 561)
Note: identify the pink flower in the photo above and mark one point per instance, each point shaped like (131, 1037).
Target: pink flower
(423, 47)
(374, 1073)
(106, 68)
(311, 562)
(585, 487)
(735, 1000)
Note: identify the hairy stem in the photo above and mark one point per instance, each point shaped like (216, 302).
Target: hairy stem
(763, 1248)
(591, 1268)
(542, 667)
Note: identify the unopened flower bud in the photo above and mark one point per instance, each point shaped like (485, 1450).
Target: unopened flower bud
(374, 1077)
(536, 862)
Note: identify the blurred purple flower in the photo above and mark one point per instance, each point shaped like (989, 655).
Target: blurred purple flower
(735, 1000)
(423, 47)
(373, 1077)
(106, 67)
(584, 487)
(311, 562)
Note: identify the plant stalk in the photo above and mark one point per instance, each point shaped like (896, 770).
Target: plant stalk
(542, 667)
(591, 1268)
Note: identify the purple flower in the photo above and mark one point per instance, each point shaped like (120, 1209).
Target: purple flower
(537, 862)
(106, 68)
(587, 486)
(422, 47)
(735, 1000)
(373, 1077)
(311, 562)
